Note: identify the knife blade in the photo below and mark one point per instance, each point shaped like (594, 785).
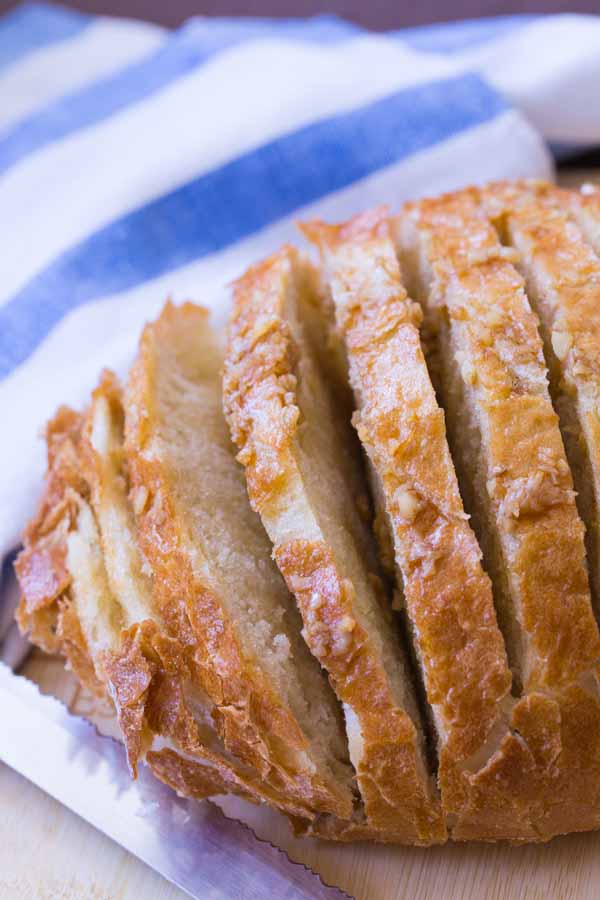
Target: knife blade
(191, 844)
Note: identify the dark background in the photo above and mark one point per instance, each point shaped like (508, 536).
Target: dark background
(370, 13)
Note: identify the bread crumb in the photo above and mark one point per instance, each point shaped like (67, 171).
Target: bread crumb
(533, 494)
(139, 498)
(282, 646)
(407, 504)
(561, 344)
(298, 583)
(316, 601)
(290, 416)
(342, 643)
(347, 623)
(467, 369)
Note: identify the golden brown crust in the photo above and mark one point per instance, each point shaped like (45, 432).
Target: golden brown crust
(46, 609)
(262, 408)
(531, 494)
(447, 595)
(148, 677)
(562, 274)
(191, 779)
(254, 722)
(389, 774)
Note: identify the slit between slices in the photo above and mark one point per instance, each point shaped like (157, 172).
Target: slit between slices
(465, 429)
(577, 405)
(99, 614)
(129, 583)
(332, 470)
(406, 631)
(466, 435)
(434, 733)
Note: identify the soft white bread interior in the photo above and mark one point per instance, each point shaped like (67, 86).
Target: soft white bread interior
(210, 560)
(304, 478)
(516, 483)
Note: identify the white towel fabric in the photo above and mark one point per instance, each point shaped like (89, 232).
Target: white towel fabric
(137, 164)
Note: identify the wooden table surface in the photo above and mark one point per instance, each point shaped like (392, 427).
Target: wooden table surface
(49, 853)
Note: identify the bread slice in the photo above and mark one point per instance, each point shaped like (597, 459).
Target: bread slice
(448, 597)
(209, 557)
(515, 481)
(146, 661)
(41, 566)
(105, 621)
(303, 472)
(562, 276)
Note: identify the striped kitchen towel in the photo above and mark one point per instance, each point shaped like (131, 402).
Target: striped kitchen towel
(137, 163)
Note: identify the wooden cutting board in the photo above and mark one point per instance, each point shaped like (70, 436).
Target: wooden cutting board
(49, 853)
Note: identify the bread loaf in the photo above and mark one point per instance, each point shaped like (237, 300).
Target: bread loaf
(418, 428)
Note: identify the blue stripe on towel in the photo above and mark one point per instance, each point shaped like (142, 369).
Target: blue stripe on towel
(32, 26)
(239, 198)
(189, 48)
